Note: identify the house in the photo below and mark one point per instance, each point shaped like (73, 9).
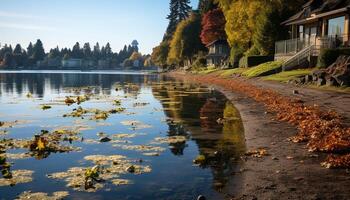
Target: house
(219, 51)
(72, 63)
(318, 25)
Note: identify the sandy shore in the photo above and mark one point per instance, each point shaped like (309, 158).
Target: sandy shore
(289, 171)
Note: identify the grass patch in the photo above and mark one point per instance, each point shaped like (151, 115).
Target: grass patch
(264, 69)
(205, 71)
(230, 72)
(288, 75)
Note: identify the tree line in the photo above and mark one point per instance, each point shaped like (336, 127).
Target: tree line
(250, 28)
(35, 53)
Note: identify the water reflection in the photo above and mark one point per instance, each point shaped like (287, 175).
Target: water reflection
(212, 122)
(42, 84)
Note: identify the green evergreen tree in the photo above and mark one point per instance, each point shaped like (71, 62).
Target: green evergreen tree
(38, 51)
(179, 10)
(206, 5)
(30, 49)
(87, 51)
(97, 51)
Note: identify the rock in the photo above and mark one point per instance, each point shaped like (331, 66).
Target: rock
(201, 197)
(105, 139)
(131, 169)
(321, 73)
(331, 82)
(308, 78)
(340, 70)
(321, 81)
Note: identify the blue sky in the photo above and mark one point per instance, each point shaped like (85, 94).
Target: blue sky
(64, 22)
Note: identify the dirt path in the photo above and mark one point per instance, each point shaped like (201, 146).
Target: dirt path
(289, 171)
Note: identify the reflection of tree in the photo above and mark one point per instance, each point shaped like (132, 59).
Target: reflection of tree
(221, 144)
(37, 83)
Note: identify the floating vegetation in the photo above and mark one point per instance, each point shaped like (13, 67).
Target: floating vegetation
(69, 101)
(17, 156)
(119, 182)
(29, 95)
(11, 124)
(41, 145)
(141, 148)
(45, 107)
(3, 132)
(140, 104)
(200, 160)
(105, 139)
(117, 102)
(136, 125)
(127, 135)
(107, 168)
(171, 139)
(96, 113)
(43, 196)
(17, 177)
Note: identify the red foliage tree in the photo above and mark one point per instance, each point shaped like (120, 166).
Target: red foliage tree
(213, 26)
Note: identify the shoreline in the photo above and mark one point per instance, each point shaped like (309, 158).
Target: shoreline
(289, 171)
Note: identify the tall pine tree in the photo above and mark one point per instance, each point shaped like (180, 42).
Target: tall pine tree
(179, 10)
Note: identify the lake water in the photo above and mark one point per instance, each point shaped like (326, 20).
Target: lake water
(157, 111)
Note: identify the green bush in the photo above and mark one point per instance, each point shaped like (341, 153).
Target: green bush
(264, 69)
(251, 61)
(235, 55)
(200, 62)
(329, 56)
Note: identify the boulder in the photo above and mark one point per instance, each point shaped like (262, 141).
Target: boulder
(330, 81)
(321, 81)
(308, 78)
(340, 70)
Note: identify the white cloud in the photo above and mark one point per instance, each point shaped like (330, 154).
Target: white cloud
(26, 27)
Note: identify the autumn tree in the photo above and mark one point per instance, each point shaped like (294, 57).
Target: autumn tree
(213, 26)
(186, 41)
(160, 54)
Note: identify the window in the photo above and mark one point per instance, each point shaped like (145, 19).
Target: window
(336, 26)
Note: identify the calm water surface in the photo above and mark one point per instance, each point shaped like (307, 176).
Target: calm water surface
(171, 108)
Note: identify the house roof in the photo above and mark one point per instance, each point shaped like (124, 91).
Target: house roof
(220, 41)
(315, 9)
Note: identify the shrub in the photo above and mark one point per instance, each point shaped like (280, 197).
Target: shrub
(329, 56)
(235, 55)
(264, 69)
(250, 61)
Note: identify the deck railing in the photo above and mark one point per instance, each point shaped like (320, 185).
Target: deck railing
(293, 46)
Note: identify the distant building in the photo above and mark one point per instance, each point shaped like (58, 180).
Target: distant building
(136, 63)
(219, 51)
(72, 63)
(54, 62)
